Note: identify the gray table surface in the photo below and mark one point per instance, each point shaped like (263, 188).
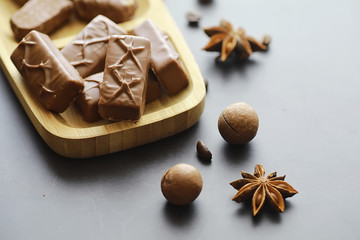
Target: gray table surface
(305, 90)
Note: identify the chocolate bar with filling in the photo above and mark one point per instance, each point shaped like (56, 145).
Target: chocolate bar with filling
(118, 10)
(49, 76)
(165, 60)
(41, 15)
(123, 91)
(88, 99)
(88, 50)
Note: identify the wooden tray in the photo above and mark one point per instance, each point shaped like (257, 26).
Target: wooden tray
(70, 136)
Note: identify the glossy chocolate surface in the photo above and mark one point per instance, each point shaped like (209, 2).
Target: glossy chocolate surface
(87, 101)
(41, 15)
(50, 77)
(118, 10)
(165, 60)
(123, 91)
(88, 50)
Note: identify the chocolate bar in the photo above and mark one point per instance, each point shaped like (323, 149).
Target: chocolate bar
(165, 60)
(88, 50)
(123, 91)
(118, 11)
(153, 91)
(41, 15)
(87, 101)
(49, 76)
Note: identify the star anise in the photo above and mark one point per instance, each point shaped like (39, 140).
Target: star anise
(271, 188)
(226, 40)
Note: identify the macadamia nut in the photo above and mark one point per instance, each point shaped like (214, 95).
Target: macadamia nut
(181, 184)
(238, 123)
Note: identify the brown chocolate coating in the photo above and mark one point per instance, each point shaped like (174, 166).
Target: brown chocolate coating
(165, 60)
(88, 50)
(238, 123)
(123, 91)
(50, 77)
(153, 88)
(88, 99)
(181, 184)
(41, 15)
(116, 10)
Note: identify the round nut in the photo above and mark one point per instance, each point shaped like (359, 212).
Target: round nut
(181, 184)
(238, 123)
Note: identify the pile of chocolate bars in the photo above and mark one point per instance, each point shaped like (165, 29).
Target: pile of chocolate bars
(47, 15)
(109, 73)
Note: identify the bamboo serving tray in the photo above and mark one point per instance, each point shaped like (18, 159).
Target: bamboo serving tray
(68, 134)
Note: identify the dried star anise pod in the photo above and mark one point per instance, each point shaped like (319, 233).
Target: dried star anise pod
(226, 40)
(271, 188)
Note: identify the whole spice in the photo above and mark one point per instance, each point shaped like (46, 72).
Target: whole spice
(260, 188)
(238, 123)
(203, 151)
(181, 184)
(193, 17)
(226, 40)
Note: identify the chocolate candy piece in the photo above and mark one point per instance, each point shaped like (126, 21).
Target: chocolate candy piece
(87, 101)
(118, 10)
(153, 88)
(123, 91)
(88, 50)
(41, 15)
(165, 60)
(50, 77)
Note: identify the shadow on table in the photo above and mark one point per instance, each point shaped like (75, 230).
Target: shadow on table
(245, 210)
(179, 216)
(117, 165)
(234, 64)
(235, 154)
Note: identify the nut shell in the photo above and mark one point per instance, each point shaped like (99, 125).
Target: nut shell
(238, 123)
(203, 151)
(181, 184)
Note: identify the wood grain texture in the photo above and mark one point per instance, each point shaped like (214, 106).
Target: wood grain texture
(69, 135)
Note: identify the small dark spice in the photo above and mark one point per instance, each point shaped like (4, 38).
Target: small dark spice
(193, 18)
(203, 151)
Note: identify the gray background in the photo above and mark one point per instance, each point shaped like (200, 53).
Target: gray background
(305, 90)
